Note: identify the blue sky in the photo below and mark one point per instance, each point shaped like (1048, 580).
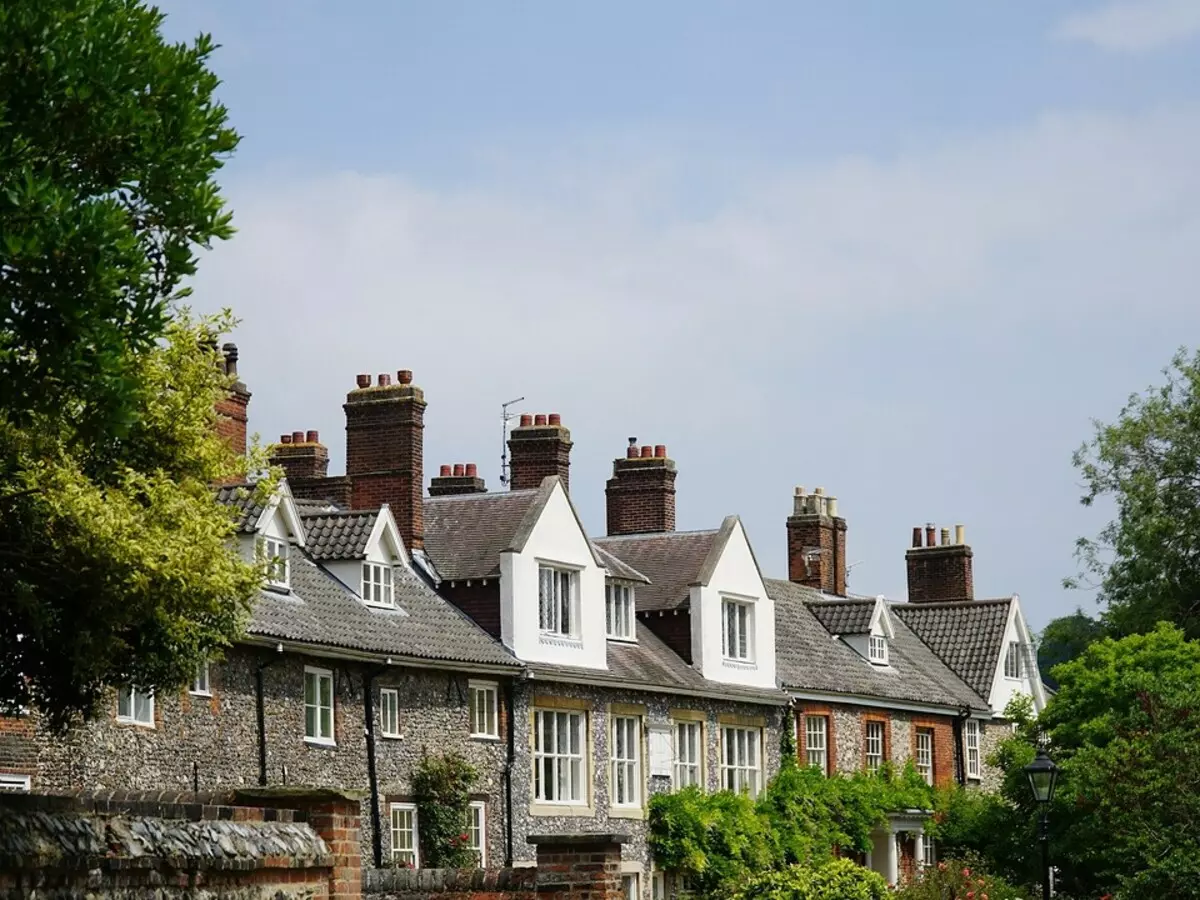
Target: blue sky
(903, 251)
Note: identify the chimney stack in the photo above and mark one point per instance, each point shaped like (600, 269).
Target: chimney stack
(457, 479)
(231, 411)
(641, 493)
(301, 455)
(940, 571)
(817, 542)
(385, 426)
(539, 447)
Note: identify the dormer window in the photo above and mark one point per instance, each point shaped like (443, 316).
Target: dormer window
(618, 611)
(877, 650)
(276, 553)
(558, 593)
(377, 584)
(736, 636)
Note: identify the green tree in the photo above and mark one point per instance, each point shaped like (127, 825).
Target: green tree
(838, 879)
(1146, 561)
(442, 787)
(1065, 638)
(116, 563)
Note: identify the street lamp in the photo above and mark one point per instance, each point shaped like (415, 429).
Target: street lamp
(1043, 779)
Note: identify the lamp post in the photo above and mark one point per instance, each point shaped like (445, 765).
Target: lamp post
(1043, 779)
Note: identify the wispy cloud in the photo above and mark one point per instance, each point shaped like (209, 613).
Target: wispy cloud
(1135, 26)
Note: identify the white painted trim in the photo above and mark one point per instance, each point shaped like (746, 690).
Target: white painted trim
(481, 805)
(882, 703)
(477, 684)
(330, 741)
(17, 784)
(416, 832)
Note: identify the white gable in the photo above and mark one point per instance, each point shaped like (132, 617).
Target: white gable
(1029, 683)
(279, 519)
(557, 541)
(384, 546)
(735, 578)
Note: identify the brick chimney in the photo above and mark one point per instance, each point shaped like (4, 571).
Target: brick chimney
(539, 447)
(817, 543)
(939, 571)
(461, 478)
(385, 425)
(301, 455)
(641, 494)
(231, 411)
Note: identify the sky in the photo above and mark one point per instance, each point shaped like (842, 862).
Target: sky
(906, 252)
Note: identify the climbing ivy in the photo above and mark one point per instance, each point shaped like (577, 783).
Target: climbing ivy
(442, 787)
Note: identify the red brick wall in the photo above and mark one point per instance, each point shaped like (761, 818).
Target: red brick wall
(307, 458)
(943, 746)
(802, 711)
(940, 573)
(828, 572)
(640, 497)
(537, 451)
(18, 748)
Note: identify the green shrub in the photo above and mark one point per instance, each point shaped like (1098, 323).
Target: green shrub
(442, 789)
(838, 879)
(957, 880)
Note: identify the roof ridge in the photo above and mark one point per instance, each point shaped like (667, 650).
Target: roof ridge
(656, 534)
(947, 604)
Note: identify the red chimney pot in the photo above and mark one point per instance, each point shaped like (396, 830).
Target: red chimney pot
(647, 451)
(458, 470)
(539, 419)
(631, 452)
(555, 419)
(363, 381)
(445, 471)
(313, 437)
(526, 420)
(472, 470)
(916, 536)
(930, 536)
(404, 376)
(285, 439)
(660, 450)
(384, 379)
(297, 437)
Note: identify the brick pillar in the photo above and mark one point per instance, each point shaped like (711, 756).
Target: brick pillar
(301, 455)
(579, 866)
(385, 433)
(938, 572)
(461, 478)
(538, 448)
(817, 543)
(231, 410)
(640, 497)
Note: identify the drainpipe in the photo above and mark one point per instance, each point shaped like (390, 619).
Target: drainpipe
(509, 694)
(260, 709)
(960, 763)
(372, 771)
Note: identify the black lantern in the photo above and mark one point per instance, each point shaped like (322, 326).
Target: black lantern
(1043, 777)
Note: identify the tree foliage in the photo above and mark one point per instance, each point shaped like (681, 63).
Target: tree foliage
(442, 789)
(838, 879)
(1147, 464)
(115, 561)
(1065, 638)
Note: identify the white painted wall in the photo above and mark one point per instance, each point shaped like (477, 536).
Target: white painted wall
(735, 576)
(556, 539)
(1005, 689)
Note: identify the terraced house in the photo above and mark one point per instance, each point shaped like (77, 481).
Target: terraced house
(580, 674)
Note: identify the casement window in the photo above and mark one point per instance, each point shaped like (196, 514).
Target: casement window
(200, 683)
(14, 784)
(689, 754)
(741, 759)
(135, 706)
(877, 649)
(559, 762)
(405, 842)
(626, 756)
(974, 770)
(618, 611)
(275, 552)
(1012, 660)
(477, 831)
(482, 701)
(874, 746)
(658, 886)
(816, 742)
(389, 712)
(377, 584)
(928, 853)
(737, 641)
(630, 886)
(924, 759)
(318, 705)
(557, 594)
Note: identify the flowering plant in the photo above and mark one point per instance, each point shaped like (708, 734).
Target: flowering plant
(953, 880)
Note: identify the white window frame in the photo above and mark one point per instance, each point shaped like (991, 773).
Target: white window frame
(625, 755)
(816, 742)
(658, 885)
(201, 681)
(131, 717)
(741, 759)
(279, 566)
(11, 783)
(554, 766)
(319, 676)
(737, 629)
(415, 850)
(687, 750)
(485, 719)
(619, 619)
(924, 754)
(389, 712)
(631, 886)
(558, 616)
(477, 830)
(1012, 661)
(875, 745)
(928, 852)
(971, 740)
(877, 649)
(376, 587)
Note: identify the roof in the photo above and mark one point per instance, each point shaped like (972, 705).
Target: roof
(650, 662)
(240, 498)
(616, 568)
(968, 635)
(338, 535)
(844, 616)
(466, 533)
(307, 506)
(321, 610)
(673, 561)
(809, 657)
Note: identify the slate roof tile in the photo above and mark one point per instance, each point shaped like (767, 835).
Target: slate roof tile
(338, 535)
(967, 634)
(240, 498)
(844, 616)
(466, 533)
(673, 561)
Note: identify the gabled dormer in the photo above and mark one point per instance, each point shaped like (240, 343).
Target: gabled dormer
(620, 596)
(1016, 669)
(862, 624)
(362, 549)
(268, 529)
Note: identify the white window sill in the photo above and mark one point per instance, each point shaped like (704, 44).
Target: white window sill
(552, 808)
(134, 722)
(200, 693)
(485, 737)
(560, 640)
(974, 778)
(396, 736)
(627, 812)
(320, 742)
(1014, 678)
(278, 588)
(745, 665)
